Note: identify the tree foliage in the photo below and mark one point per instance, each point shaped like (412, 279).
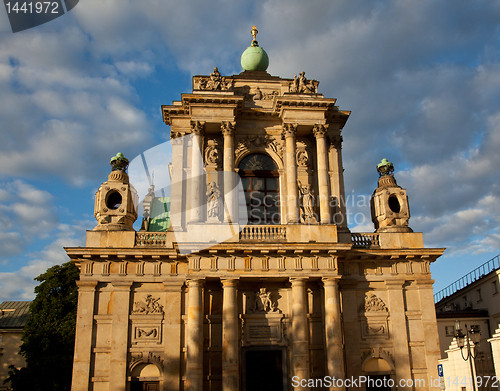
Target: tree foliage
(49, 335)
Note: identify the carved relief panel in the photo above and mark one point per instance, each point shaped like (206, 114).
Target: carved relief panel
(147, 318)
(373, 318)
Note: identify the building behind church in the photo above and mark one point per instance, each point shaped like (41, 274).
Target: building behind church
(256, 282)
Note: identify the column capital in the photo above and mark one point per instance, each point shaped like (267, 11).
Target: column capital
(297, 281)
(394, 284)
(173, 286)
(336, 142)
(176, 138)
(229, 282)
(319, 130)
(197, 127)
(195, 283)
(331, 281)
(425, 284)
(86, 285)
(122, 285)
(289, 130)
(227, 128)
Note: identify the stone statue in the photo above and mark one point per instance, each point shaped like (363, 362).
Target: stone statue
(213, 202)
(215, 82)
(211, 153)
(307, 204)
(301, 85)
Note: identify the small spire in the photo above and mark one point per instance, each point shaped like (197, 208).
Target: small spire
(254, 33)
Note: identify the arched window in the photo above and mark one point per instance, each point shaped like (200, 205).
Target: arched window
(260, 179)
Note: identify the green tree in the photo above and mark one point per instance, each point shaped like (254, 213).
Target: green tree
(49, 335)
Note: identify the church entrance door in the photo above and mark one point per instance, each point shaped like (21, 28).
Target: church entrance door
(264, 370)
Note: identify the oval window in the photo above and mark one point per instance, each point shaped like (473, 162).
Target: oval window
(394, 204)
(114, 200)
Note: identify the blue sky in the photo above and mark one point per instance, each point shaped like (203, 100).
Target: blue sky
(421, 79)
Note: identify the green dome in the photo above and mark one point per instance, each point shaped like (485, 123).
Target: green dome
(254, 58)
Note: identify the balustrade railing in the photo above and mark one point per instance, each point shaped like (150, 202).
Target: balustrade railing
(151, 239)
(263, 232)
(363, 240)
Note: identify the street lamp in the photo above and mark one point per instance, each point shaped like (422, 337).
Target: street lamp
(472, 335)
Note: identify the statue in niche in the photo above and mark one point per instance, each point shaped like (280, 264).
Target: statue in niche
(302, 155)
(215, 82)
(301, 85)
(211, 153)
(148, 306)
(307, 204)
(213, 202)
(263, 302)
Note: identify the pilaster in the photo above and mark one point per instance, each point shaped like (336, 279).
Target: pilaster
(399, 329)
(119, 335)
(84, 325)
(172, 331)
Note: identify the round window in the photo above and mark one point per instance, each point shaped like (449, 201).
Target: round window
(394, 204)
(114, 200)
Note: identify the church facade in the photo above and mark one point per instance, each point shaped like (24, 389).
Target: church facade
(260, 288)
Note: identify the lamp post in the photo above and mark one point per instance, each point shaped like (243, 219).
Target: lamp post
(474, 335)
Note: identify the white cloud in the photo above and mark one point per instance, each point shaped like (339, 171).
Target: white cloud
(19, 285)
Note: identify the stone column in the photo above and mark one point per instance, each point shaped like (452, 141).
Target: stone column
(84, 325)
(399, 329)
(196, 181)
(230, 337)
(292, 200)
(119, 335)
(319, 132)
(177, 198)
(230, 214)
(194, 336)
(337, 181)
(300, 331)
(333, 331)
(282, 188)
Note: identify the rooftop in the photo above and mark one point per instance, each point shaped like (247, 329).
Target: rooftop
(14, 314)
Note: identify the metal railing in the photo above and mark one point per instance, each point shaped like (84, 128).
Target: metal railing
(469, 278)
(365, 240)
(263, 232)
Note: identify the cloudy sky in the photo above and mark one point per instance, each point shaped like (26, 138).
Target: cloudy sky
(422, 79)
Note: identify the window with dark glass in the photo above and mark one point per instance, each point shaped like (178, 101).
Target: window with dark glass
(260, 180)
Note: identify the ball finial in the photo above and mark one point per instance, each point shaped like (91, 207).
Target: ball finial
(254, 58)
